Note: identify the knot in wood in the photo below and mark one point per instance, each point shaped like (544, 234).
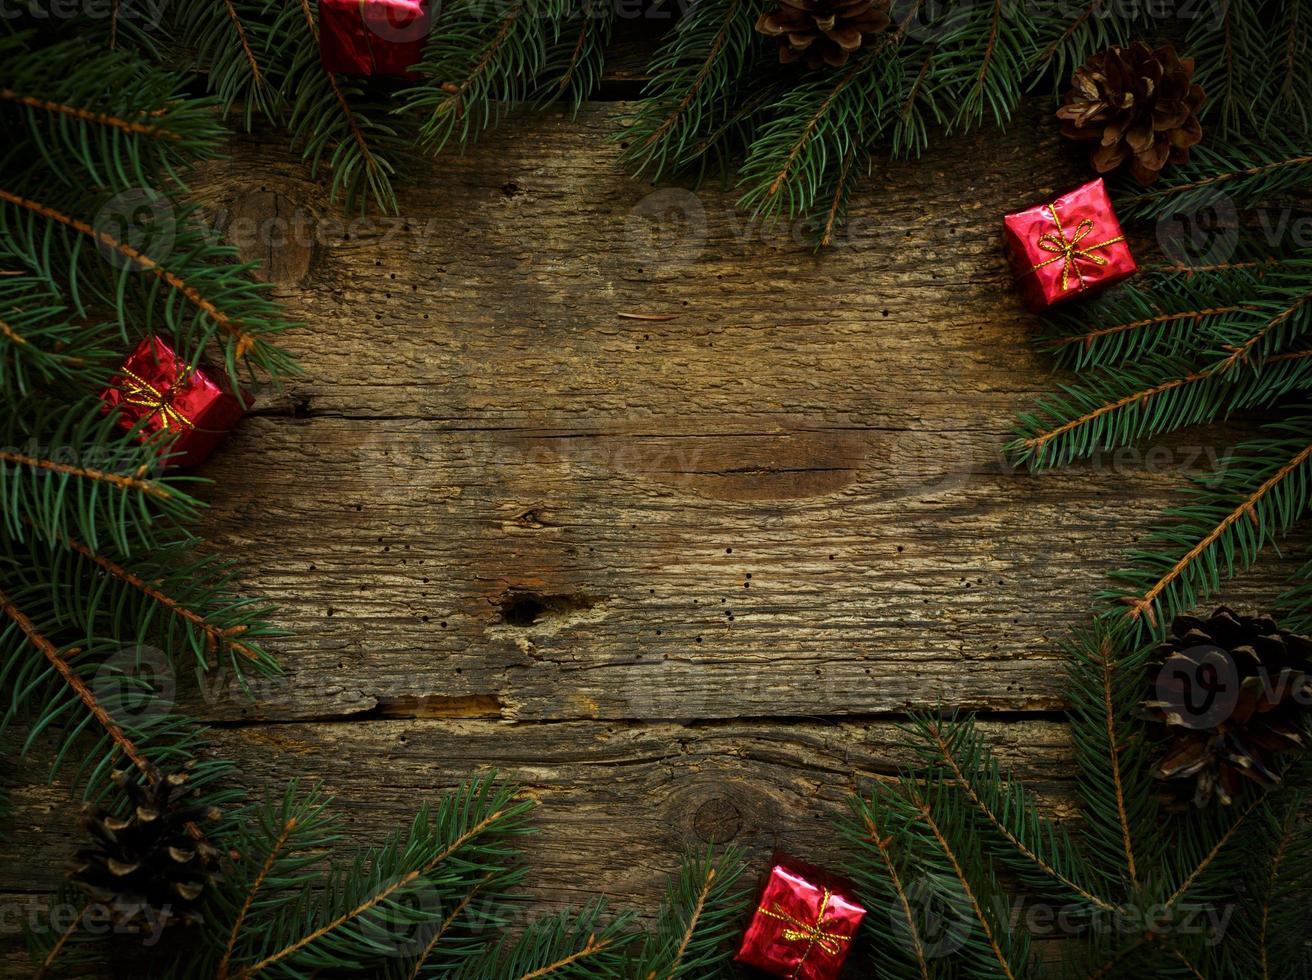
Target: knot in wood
(717, 821)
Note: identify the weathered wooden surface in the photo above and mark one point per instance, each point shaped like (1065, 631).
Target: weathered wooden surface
(676, 576)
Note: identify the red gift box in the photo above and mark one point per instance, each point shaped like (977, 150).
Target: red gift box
(185, 404)
(803, 925)
(1070, 247)
(373, 37)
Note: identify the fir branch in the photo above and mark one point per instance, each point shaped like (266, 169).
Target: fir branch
(694, 81)
(43, 346)
(1225, 525)
(982, 64)
(1104, 686)
(104, 119)
(569, 945)
(870, 835)
(243, 340)
(786, 168)
(574, 66)
(275, 851)
(174, 568)
(1006, 809)
(230, 38)
(70, 473)
(949, 852)
(1203, 866)
(426, 955)
(347, 922)
(1117, 410)
(1243, 171)
(59, 661)
(479, 65)
(697, 921)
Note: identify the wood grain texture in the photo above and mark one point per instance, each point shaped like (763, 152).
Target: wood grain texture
(786, 499)
(677, 576)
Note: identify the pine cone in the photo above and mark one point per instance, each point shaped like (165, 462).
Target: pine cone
(145, 867)
(1230, 693)
(1139, 104)
(822, 32)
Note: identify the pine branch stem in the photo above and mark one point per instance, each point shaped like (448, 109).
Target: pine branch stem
(245, 42)
(1043, 438)
(700, 79)
(592, 947)
(1206, 862)
(1277, 859)
(136, 482)
(49, 959)
(813, 122)
(352, 123)
(244, 340)
(214, 636)
(927, 815)
(1113, 747)
(881, 844)
(375, 898)
(950, 759)
(1143, 604)
(12, 335)
(1297, 161)
(279, 843)
(86, 115)
(77, 685)
(444, 928)
(693, 919)
(1196, 315)
(832, 217)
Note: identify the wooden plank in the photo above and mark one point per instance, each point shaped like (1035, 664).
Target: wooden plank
(618, 803)
(786, 498)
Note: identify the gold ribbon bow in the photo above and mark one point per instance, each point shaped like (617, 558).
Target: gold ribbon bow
(139, 392)
(1067, 250)
(797, 931)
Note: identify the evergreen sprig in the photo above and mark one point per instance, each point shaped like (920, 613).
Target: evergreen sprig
(697, 922)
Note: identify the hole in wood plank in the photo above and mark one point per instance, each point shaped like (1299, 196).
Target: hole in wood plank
(528, 608)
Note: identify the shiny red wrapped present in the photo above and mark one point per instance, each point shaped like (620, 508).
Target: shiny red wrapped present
(183, 408)
(373, 37)
(1070, 247)
(804, 923)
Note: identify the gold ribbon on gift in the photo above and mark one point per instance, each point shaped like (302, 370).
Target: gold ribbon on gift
(1068, 252)
(139, 392)
(811, 933)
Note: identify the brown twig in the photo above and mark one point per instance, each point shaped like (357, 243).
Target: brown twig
(244, 340)
(881, 843)
(86, 115)
(1113, 746)
(279, 843)
(77, 685)
(375, 898)
(1140, 605)
(592, 947)
(946, 754)
(214, 637)
(135, 482)
(927, 815)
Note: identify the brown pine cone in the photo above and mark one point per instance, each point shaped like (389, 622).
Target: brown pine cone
(1139, 105)
(145, 867)
(1228, 693)
(822, 32)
